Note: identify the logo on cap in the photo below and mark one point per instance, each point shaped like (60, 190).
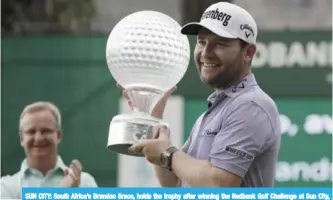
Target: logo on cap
(217, 15)
(247, 28)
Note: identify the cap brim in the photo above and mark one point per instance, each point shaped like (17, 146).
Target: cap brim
(193, 28)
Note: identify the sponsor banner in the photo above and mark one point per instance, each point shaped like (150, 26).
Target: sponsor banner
(294, 63)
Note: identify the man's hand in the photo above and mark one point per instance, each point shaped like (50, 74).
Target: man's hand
(159, 108)
(153, 148)
(73, 176)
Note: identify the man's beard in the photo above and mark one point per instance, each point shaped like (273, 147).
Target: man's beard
(223, 79)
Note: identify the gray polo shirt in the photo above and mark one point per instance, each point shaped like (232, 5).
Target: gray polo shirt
(240, 133)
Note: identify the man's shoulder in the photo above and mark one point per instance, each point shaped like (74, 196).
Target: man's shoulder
(257, 101)
(10, 186)
(10, 177)
(256, 97)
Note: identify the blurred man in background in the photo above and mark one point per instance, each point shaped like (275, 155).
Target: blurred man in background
(235, 143)
(40, 134)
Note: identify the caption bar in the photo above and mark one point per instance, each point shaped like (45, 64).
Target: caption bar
(176, 193)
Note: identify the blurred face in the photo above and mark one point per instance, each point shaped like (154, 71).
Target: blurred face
(39, 135)
(220, 61)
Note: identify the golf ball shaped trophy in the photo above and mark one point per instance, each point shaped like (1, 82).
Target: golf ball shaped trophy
(147, 55)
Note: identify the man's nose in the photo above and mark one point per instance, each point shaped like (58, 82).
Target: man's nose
(207, 51)
(39, 136)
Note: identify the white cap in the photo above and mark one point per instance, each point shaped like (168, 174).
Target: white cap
(226, 20)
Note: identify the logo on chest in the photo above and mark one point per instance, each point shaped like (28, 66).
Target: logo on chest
(210, 133)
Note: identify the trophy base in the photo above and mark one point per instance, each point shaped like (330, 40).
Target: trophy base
(128, 129)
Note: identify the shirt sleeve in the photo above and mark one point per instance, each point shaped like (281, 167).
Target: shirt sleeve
(9, 188)
(185, 147)
(242, 137)
(88, 180)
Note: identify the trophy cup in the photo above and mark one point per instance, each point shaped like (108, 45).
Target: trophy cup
(147, 55)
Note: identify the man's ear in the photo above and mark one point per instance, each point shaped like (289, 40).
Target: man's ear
(250, 52)
(59, 136)
(21, 138)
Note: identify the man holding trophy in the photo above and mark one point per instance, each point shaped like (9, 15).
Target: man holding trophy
(235, 142)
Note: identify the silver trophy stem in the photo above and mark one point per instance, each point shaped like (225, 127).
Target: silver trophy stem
(128, 129)
(144, 99)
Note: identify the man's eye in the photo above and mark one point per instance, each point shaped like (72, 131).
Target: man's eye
(202, 42)
(221, 44)
(46, 130)
(30, 132)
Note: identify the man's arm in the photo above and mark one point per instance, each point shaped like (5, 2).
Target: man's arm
(167, 178)
(240, 140)
(201, 173)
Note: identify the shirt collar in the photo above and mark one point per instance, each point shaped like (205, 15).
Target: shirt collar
(235, 89)
(59, 165)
